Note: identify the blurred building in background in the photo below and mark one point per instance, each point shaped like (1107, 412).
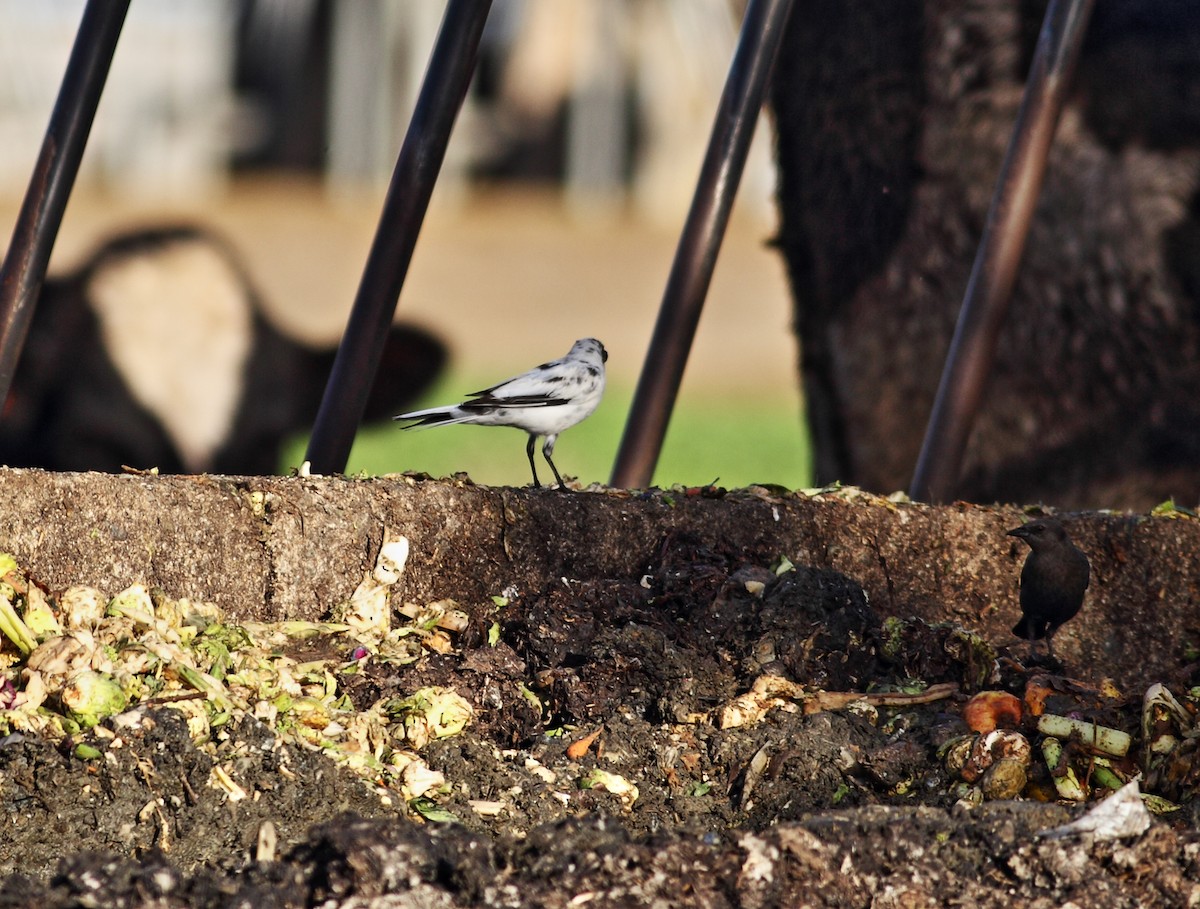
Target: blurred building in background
(165, 120)
(612, 100)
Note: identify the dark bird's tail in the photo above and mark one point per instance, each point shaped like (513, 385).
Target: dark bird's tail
(1029, 630)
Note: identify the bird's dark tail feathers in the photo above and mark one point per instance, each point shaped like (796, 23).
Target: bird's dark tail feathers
(422, 420)
(1028, 630)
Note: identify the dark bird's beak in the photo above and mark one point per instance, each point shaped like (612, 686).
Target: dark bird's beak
(1022, 532)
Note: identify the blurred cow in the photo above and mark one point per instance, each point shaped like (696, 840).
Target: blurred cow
(893, 118)
(157, 353)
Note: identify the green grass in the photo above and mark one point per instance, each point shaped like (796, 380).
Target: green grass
(734, 440)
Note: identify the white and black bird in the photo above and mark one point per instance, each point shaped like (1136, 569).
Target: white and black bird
(544, 401)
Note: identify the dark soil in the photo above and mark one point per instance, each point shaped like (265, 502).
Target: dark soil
(814, 802)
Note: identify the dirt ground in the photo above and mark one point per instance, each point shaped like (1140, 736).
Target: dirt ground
(725, 730)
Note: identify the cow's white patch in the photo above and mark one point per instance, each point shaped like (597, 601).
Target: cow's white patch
(176, 322)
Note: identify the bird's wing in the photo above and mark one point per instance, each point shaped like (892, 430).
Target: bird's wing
(540, 387)
(488, 402)
(535, 376)
(525, 401)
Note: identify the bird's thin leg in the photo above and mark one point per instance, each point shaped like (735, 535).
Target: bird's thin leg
(547, 450)
(532, 466)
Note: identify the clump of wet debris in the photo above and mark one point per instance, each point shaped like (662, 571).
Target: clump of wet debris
(718, 695)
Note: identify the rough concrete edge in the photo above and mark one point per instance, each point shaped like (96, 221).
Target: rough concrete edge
(275, 547)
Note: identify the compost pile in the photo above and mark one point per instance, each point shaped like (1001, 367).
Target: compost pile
(729, 728)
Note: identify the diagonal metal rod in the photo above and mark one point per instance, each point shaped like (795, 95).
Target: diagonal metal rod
(696, 254)
(445, 85)
(989, 290)
(41, 214)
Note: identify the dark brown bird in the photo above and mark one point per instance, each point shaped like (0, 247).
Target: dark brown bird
(1053, 581)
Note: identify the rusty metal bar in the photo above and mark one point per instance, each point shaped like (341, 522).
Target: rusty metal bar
(989, 290)
(447, 78)
(41, 214)
(696, 254)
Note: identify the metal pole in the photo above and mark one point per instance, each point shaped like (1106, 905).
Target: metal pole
(696, 254)
(41, 214)
(442, 91)
(973, 348)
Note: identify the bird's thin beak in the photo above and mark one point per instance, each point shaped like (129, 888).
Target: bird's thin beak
(1018, 532)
